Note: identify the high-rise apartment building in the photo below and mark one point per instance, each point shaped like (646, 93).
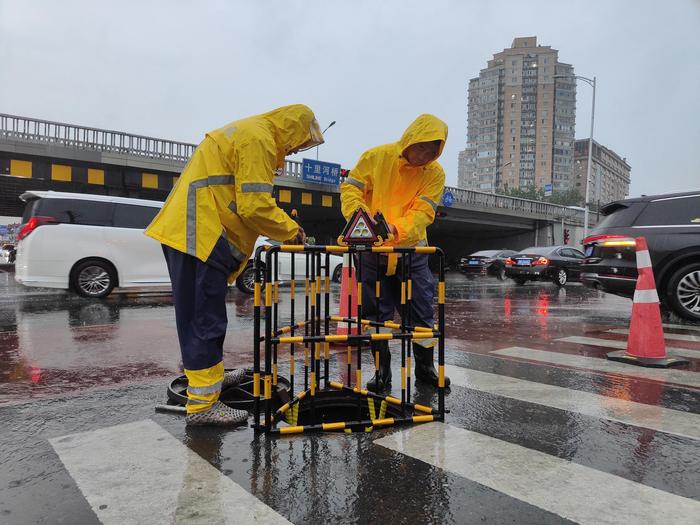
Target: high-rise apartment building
(521, 119)
(610, 174)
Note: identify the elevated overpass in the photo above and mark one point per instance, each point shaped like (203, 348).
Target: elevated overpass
(43, 155)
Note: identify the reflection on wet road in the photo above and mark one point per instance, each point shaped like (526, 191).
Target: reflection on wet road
(53, 343)
(542, 428)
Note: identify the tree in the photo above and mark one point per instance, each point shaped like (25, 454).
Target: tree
(566, 198)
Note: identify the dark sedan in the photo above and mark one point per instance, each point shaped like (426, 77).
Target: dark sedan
(486, 262)
(559, 264)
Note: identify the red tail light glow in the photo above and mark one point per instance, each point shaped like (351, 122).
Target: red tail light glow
(542, 261)
(509, 262)
(33, 224)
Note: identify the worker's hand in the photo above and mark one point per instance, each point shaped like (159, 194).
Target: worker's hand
(300, 237)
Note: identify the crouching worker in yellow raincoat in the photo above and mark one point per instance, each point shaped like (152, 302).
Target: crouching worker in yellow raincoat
(208, 227)
(405, 182)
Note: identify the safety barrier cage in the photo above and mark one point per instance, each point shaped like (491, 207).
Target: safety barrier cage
(313, 334)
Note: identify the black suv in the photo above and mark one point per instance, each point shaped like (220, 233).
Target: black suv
(671, 226)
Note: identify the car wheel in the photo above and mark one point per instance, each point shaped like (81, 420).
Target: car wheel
(561, 277)
(683, 292)
(338, 274)
(520, 281)
(246, 281)
(93, 278)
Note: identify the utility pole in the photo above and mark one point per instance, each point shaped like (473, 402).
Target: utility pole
(591, 82)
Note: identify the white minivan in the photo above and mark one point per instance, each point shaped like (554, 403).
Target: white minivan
(93, 243)
(88, 243)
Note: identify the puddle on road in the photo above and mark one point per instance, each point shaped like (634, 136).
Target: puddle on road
(54, 342)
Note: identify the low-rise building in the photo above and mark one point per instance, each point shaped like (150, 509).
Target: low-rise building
(610, 173)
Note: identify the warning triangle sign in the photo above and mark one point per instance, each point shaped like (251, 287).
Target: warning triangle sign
(359, 230)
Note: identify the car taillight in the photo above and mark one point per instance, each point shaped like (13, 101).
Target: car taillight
(610, 240)
(33, 224)
(542, 261)
(509, 261)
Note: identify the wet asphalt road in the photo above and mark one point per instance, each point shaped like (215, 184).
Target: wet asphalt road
(542, 428)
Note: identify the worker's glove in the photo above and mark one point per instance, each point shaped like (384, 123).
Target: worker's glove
(300, 237)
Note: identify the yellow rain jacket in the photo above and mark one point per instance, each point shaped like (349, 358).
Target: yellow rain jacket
(408, 196)
(226, 188)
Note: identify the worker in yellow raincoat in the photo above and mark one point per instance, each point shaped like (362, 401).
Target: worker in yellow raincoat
(404, 181)
(208, 227)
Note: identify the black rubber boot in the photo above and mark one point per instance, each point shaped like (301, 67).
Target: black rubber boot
(384, 367)
(425, 369)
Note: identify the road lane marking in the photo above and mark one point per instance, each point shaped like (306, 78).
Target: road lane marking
(622, 345)
(572, 491)
(667, 335)
(680, 377)
(684, 424)
(139, 472)
(682, 326)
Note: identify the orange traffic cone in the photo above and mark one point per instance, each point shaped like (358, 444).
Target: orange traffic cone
(348, 286)
(35, 374)
(645, 344)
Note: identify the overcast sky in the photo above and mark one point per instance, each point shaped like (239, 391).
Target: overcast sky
(176, 69)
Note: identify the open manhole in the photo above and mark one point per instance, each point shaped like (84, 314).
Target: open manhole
(335, 406)
(239, 396)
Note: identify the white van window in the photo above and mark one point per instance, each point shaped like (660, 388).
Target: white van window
(74, 211)
(132, 216)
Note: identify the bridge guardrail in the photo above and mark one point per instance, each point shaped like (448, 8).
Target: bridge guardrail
(83, 137)
(492, 200)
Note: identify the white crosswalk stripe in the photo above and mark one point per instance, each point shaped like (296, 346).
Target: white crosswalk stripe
(639, 414)
(573, 491)
(682, 327)
(680, 377)
(667, 335)
(622, 345)
(139, 473)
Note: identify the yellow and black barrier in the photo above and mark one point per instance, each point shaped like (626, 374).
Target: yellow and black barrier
(354, 426)
(314, 334)
(388, 399)
(385, 324)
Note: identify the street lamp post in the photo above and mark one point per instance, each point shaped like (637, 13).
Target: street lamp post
(590, 157)
(329, 125)
(499, 175)
(591, 82)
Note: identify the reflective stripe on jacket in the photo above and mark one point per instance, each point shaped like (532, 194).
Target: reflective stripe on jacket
(226, 188)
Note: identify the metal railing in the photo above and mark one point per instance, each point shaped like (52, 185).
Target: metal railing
(530, 207)
(82, 137)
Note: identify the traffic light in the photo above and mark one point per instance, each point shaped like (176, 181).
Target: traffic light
(566, 236)
(344, 173)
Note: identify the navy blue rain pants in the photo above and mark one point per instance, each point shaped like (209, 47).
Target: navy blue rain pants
(199, 294)
(423, 289)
